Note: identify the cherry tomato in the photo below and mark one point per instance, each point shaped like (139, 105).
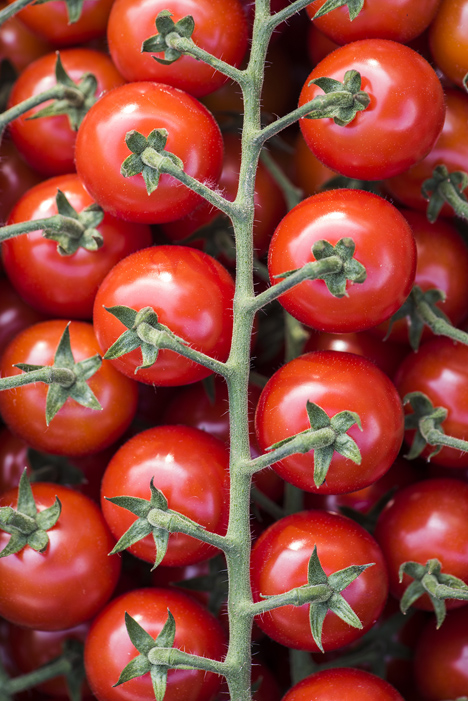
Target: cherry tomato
(451, 149)
(16, 177)
(75, 430)
(19, 44)
(48, 143)
(381, 19)
(442, 262)
(336, 382)
(279, 563)
(130, 23)
(193, 136)
(52, 22)
(13, 459)
(309, 173)
(64, 286)
(108, 648)
(343, 683)
(448, 39)
(15, 314)
(190, 292)
(423, 521)
(406, 98)
(440, 370)
(440, 663)
(194, 482)
(389, 259)
(72, 579)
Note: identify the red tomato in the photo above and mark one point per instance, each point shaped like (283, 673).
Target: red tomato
(448, 39)
(72, 579)
(380, 19)
(440, 663)
(336, 382)
(190, 292)
(406, 98)
(64, 286)
(451, 149)
(389, 259)
(75, 430)
(442, 262)
(423, 521)
(193, 136)
(130, 23)
(109, 649)
(195, 483)
(440, 370)
(52, 22)
(279, 563)
(15, 314)
(309, 173)
(15, 177)
(13, 459)
(343, 683)
(48, 143)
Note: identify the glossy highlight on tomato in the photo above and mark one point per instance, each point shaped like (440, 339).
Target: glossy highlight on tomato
(343, 683)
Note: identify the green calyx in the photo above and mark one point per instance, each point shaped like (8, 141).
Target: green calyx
(331, 436)
(167, 30)
(144, 332)
(27, 525)
(148, 157)
(343, 266)
(85, 235)
(74, 8)
(67, 379)
(354, 8)
(78, 99)
(413, 310)
(323, 593)
(445, 187)
(342, 101)
(426, 420)
(429, 579)
(144, 643)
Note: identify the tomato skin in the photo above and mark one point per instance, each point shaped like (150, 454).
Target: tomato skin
(64, 286)
(336, 382)
(194, 482)
(191, 293)
(16, 177)
(440, 370)
(440, 664)
(386, 286)
(48, 143)
(20, 45)
(130, 23)
(451, 149)
(343, 683)
(72, 580)
(108, 648)
(52, 22)
(15, 314)
(279, 563)
(75, 430)
(384, 19)
(448, 39)
(423, 521)
(379, 142)
(193, 136)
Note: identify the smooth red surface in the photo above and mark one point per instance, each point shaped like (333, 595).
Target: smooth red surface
(336, 382)
(440, 370)
(75, 430)
(193, 136)
(130, 23)
(343, 683)
(423, 521)
(448, 38)
(57, 285)
(384, 244)
(279, 563)
(108, 648)
(48, 143)
(72, 579)
(190, 292)
(190, 467)
(406, 98)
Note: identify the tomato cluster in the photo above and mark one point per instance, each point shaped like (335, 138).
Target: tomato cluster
(217, 397)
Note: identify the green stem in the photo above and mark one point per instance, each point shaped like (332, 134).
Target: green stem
(302, 443)
(315, 593)
(13, 9)
(57, 92)
(178, 659)
(439, 326)
(175, 523)
(56, 222)
(48, 375)
(187, 46)
(314, 270)
(292, 194)
(435, 437)
(57, 668)
(452, 196)
(286, 13)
